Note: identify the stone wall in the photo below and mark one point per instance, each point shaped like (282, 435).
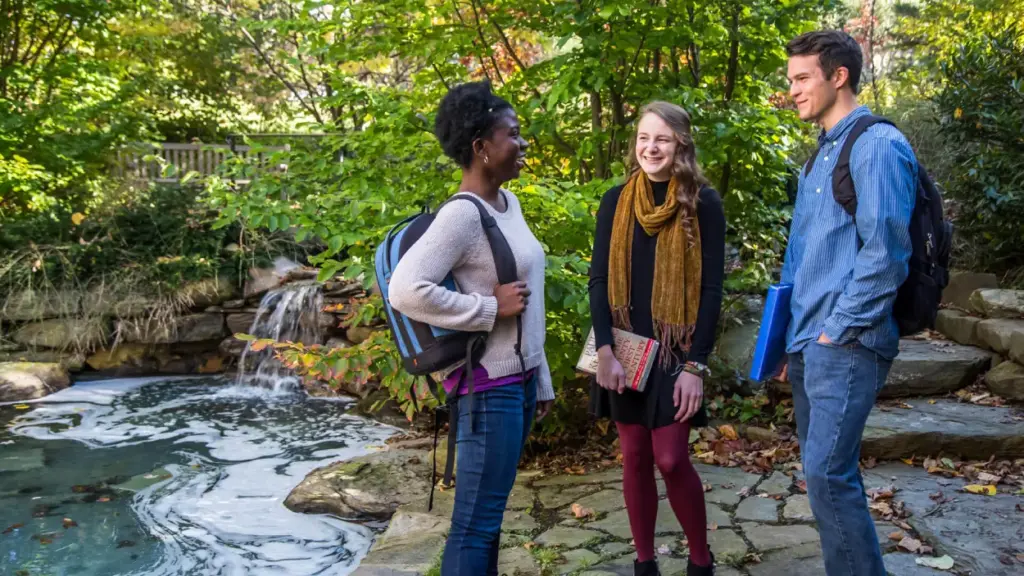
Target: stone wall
(99, 333)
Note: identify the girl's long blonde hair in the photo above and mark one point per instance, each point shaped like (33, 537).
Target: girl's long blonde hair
(684, 166)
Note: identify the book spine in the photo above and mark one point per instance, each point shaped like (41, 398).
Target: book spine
(641, 371)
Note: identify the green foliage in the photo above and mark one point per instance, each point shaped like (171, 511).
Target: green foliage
(982, 116)
(577, 75)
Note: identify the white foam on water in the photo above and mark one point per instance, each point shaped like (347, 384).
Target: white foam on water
(240, 452)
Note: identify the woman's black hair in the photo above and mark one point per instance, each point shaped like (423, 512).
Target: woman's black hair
(469, 111)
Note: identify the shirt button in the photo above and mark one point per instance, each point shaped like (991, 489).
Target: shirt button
(826, 158)
(818, 191)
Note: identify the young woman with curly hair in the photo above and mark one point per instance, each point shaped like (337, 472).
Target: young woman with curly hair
(480, 131)
(657, 271)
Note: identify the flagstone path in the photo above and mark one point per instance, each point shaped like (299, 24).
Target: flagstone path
(759, 525)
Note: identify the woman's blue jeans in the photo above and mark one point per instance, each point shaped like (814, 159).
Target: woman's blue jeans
(487, 458)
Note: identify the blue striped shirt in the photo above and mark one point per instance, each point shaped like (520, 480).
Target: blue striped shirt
(845, 273)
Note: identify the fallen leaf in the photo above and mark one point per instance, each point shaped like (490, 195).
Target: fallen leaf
(979, 489)
(69, 523)
(907, 461)
(939, 563)
(14, 527)
(948, 463)
(21, 406)
(926, 551)
(103, 499)
(896, 536)
(708, 487)
(664, 550)
(802, 486)
(903, 525)
(530, 545)
(728, 432)
(931, 401)
(744, 492)
(989, 478)
(910, 544)
(712, 527)
(580, 512)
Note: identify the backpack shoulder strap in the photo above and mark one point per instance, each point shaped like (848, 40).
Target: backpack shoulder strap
(504, 260)
(843, 189)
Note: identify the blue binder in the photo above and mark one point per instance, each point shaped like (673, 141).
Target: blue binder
(771, 339)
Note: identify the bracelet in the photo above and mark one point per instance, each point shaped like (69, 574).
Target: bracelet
(697, 369)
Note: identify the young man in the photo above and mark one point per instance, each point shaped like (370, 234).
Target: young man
(845, 273)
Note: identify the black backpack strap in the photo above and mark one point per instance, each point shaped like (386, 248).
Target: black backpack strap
(843, 189)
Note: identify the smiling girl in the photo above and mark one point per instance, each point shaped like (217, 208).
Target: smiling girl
(657, 271)
(480, 131)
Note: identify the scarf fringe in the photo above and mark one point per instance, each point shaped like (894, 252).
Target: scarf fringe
(672, 337)
(620, 318)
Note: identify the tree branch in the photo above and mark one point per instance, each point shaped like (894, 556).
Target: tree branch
(504, 38)
(692, 51)
(484, 43)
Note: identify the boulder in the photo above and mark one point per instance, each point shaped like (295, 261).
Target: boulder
(39, 305)
(369, 487)
(934, 367)
(208, 292)
(1007, 380)
(996, 335)
(21, 381)
(76, 333)
(927, 367)
(958, 326)
(359, 334)
(736, 346)
(963, 283)
(947, 426)
(1017, 347)
(240, 322)
(191, 328)
(231, 346)
(998, 303)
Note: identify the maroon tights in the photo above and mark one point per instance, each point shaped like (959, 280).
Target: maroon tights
(668, 448)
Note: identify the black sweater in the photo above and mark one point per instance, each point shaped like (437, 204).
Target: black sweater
(711, 219)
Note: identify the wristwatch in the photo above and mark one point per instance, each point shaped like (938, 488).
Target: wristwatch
(697, 369)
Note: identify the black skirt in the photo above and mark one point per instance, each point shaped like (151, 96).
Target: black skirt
(651, 408)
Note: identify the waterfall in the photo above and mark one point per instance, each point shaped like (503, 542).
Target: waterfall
(287, 314)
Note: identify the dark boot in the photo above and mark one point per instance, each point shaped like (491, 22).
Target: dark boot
(649, 568)
(695, 570)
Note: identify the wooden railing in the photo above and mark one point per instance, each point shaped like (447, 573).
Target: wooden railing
(180, 159)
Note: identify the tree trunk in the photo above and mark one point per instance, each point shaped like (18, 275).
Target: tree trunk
(657, 65)
(734, 56)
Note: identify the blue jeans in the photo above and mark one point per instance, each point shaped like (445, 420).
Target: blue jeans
(487, 458)
(834, 390)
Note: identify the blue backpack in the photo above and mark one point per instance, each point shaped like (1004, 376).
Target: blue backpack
(426, 349)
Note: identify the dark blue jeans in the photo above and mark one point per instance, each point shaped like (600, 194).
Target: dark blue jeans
(487, 457)
(834, 389)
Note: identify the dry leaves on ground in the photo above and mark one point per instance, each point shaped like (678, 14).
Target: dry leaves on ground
(886, 507)
(724, 447)
(978, 393)
(990, 472)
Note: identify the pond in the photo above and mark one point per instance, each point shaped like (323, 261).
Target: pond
(182, 477)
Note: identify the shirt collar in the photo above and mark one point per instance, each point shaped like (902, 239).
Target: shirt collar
(843, 125)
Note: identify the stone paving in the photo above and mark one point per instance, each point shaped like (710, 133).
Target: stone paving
(758, 526)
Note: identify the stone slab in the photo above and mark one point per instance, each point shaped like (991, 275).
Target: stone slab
(926, 367)
(558, 496)
(904, 564)
(78, 333)
(601, 502)
(768, 538)
(520, 498)
(1007, 380)
(728, 546)
(757, 509)
(963, 283)
(997, 334)
(574, 560)
(409, 546)
(798, 509)
(567, 537)
(775, 485)
(142, 481)
(518, 521)
(958, 326)
(994, 303)
(609, 475)
(517, 562)
(1017, 347)
(972, 431)
(977, 531)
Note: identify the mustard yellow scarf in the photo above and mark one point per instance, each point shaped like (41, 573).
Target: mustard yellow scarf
(677, 263)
